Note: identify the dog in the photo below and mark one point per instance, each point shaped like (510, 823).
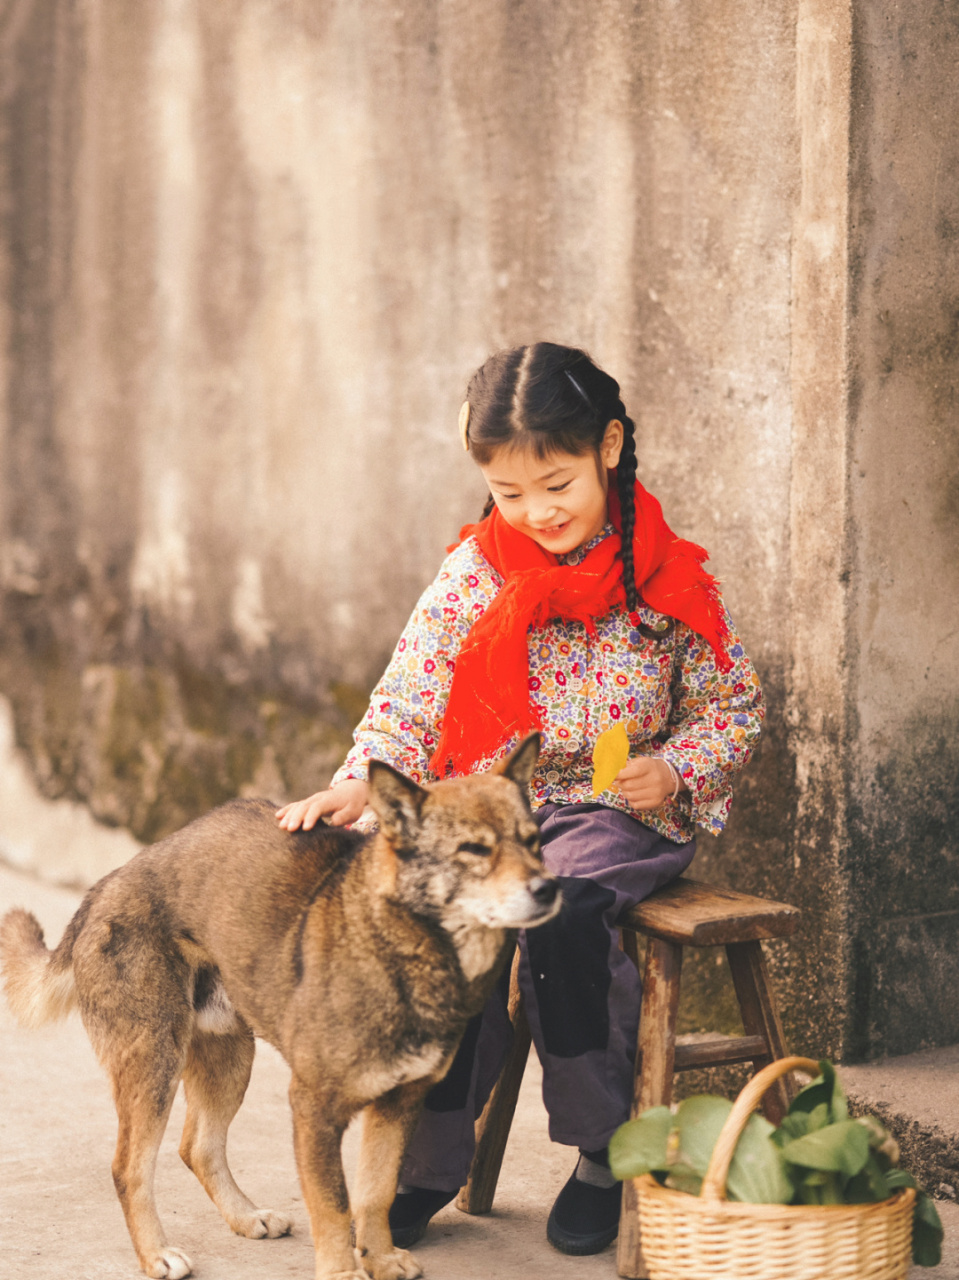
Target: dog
(361, 958)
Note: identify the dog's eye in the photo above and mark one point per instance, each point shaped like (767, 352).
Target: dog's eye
(473, 846)
(532, 842)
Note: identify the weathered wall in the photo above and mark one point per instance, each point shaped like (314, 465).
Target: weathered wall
(252, 253)
(904, 528)
(249, 255)
(816, 606)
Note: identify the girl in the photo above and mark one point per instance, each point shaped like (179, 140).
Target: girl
(570, 607)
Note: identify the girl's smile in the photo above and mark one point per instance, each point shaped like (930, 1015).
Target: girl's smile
(559, 501)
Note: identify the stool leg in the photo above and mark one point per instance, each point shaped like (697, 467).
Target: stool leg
(653, 1082)
(757, 1005)
(629, 945)
(492, 1128)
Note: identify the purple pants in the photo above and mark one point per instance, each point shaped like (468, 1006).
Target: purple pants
(582, 997)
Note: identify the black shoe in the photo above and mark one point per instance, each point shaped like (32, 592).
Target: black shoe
(584, 1219)
(411, 1211)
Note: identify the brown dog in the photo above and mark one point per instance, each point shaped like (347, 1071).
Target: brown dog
(360, 958)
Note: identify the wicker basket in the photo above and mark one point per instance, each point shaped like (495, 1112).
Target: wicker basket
(705, 1237)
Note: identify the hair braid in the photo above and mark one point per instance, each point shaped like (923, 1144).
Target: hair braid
(625, 478)
(487, 509)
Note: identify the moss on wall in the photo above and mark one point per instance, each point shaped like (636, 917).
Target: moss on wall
(150, 745)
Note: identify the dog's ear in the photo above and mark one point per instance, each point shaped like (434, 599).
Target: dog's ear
(396, 801)
(521, 761)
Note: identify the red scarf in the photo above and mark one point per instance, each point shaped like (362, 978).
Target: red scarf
(489, 698)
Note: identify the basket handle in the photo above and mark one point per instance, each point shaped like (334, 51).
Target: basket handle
(714, 1183)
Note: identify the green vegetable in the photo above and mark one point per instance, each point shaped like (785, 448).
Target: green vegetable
(758, 1173)
(698, 1122)
(683, 1177)
(640, 1146)
(825, 1089)
(838, 1148)
(798, 1124)
(926, 1224)
(817, 1156)
(868, 1185)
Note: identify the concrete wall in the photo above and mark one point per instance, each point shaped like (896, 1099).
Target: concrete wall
(249, 256)
(903, 531)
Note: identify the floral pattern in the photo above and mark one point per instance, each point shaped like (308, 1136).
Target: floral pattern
(668, 693)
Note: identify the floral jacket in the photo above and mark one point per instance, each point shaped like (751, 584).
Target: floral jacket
(673, 701)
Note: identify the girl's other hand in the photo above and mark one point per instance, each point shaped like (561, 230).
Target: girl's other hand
(646, 782)
(343, 804)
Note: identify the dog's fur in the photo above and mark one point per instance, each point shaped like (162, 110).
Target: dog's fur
(360, 958)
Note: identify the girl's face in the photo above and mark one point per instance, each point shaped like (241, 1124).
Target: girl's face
(558, 501)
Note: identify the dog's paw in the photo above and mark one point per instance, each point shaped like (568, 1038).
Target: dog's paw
(396, 1264)
(169, 1264)
(262, 1224)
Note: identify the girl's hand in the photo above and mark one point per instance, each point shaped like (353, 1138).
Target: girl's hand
(646, 782)
(343, 804)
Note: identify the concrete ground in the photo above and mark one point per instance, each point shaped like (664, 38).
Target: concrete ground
(59, 1214)
(917, 1097)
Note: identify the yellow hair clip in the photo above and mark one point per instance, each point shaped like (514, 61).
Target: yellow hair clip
(465, 425)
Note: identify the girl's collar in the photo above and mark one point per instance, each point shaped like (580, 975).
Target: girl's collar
(579, 554)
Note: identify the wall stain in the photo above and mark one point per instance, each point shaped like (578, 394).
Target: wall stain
(149, 745)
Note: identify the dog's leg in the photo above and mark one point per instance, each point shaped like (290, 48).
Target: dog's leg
(215, 1078)
(388, 1124)
(143, 1103)
(318, 1128)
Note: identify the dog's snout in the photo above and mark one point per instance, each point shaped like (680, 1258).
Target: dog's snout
(544, 891)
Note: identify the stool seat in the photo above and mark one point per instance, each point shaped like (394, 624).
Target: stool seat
(685, 913)
(701, 915)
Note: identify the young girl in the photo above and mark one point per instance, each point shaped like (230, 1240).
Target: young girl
(570, 607)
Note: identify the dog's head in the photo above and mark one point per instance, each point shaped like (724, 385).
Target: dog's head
(466, 851)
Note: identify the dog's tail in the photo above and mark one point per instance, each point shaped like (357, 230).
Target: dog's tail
(38, 983)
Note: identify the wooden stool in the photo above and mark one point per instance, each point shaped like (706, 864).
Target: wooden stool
(686, 913)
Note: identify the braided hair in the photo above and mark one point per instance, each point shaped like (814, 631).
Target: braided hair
(553, 399)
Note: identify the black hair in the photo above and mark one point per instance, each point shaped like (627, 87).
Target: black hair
(553, 399)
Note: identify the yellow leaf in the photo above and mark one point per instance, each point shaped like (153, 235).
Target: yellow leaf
(610, 753)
